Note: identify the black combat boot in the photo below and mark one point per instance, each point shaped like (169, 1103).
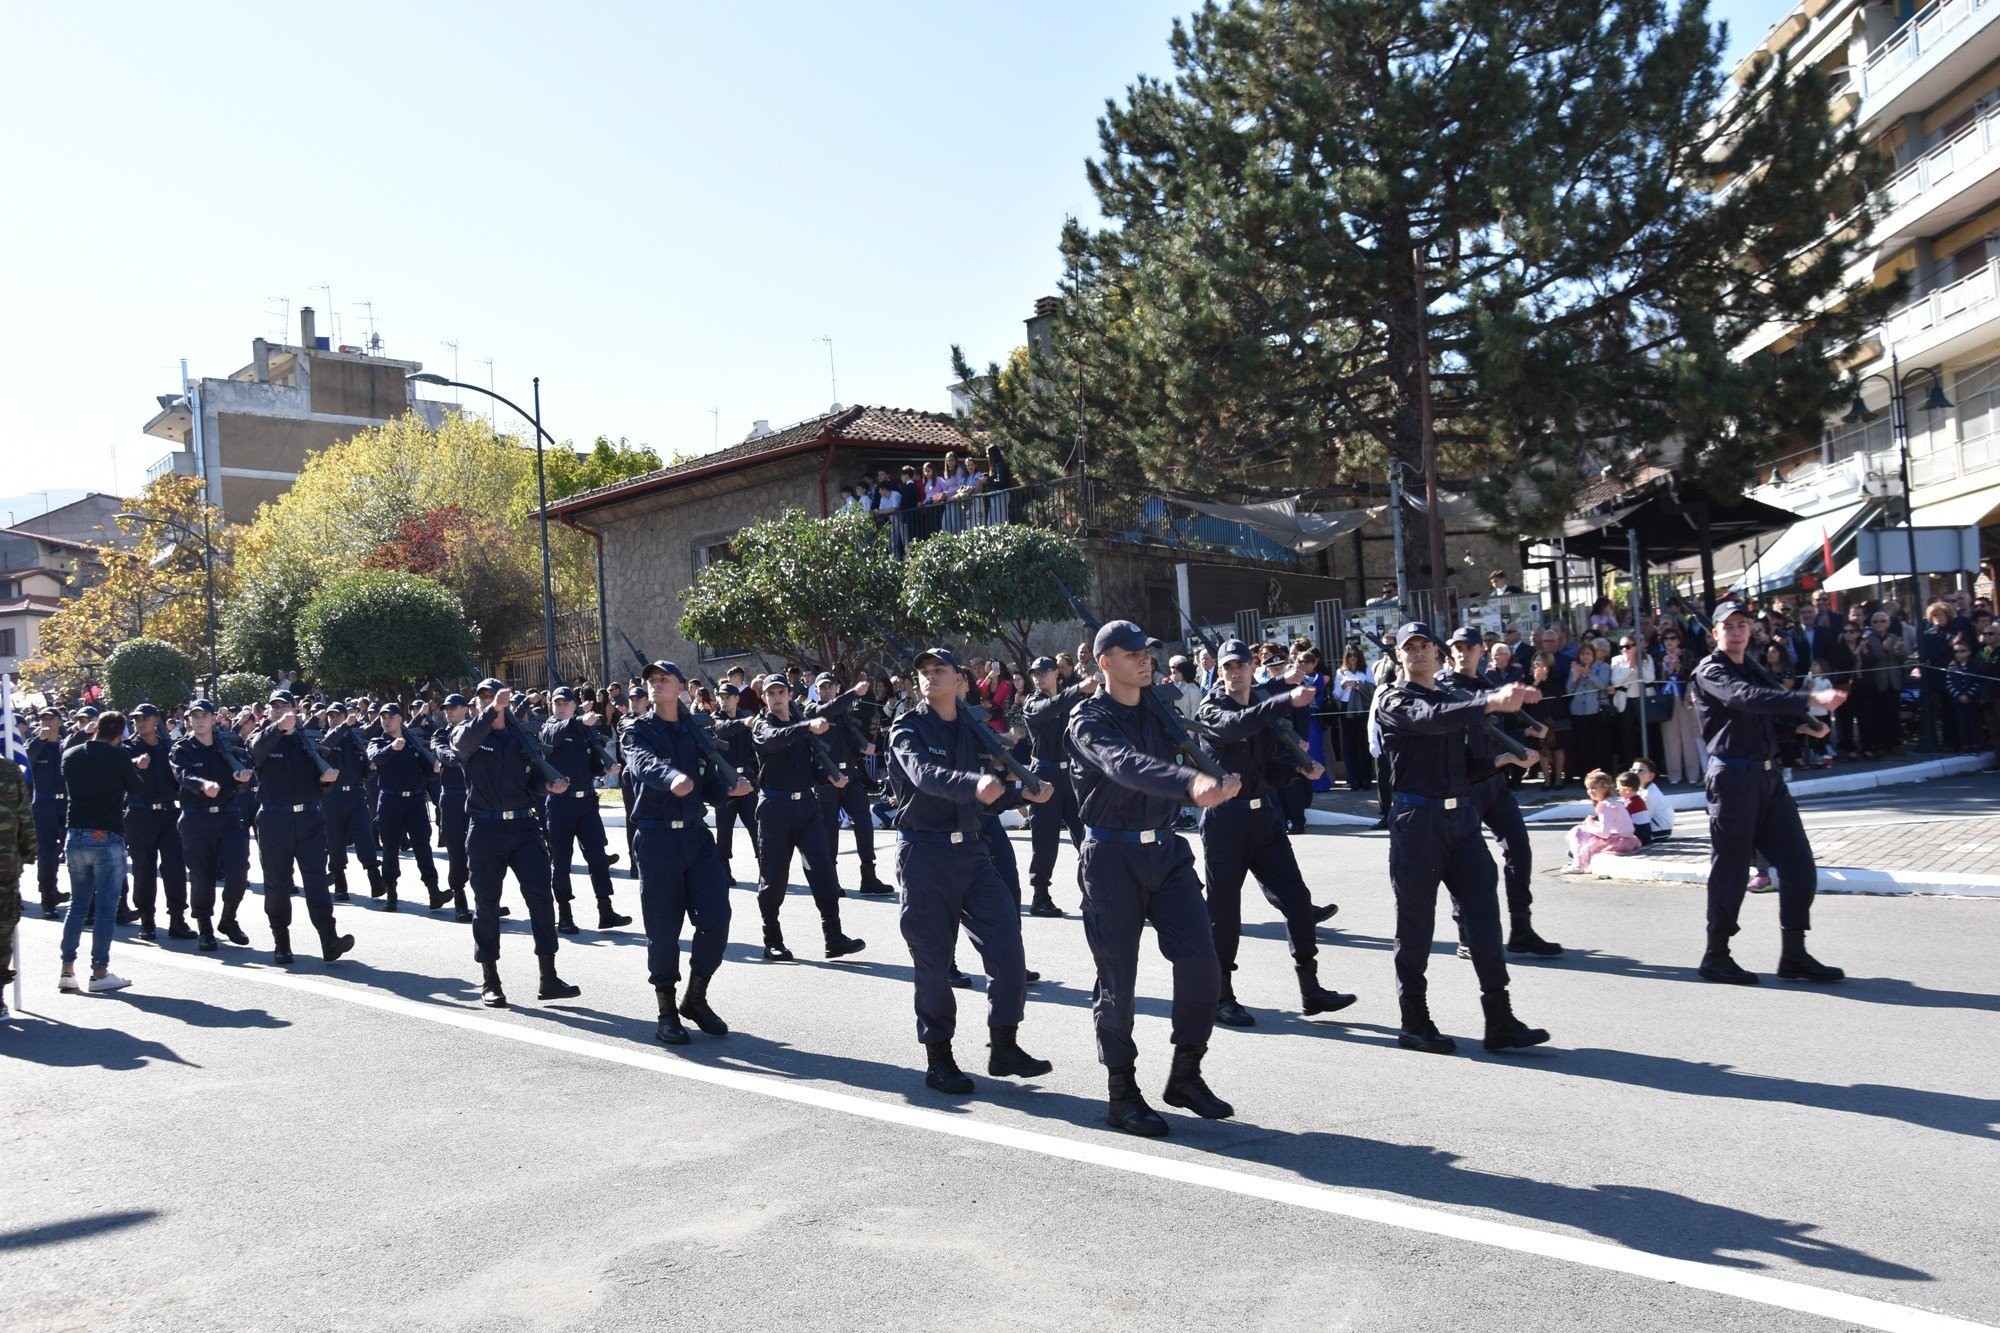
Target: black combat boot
(340, 886)
(1187, 1090)
(1795, 964)
(1006, 1059)
(440, 898)
(1314, 1000)
(177, 928)
(871, 887)
(1521, 938)
(490, 993)
(957, 978)
(127, 914)
(462, 911)
(1043, 905)
(207, 944)
(281, 945)
(1228, 1012)
(1717, 965)
(1464, 944)
(670, 1030)
(607, 919)
(695, 1006)
(1419, 1033)
(774, 944)
(229, 930)
(147, 931)
(1504, 1032)
(553, 986)
(51, 907)
(1322, 915)
(388, 895)
(332, 946)
(839, 945)
(1128, 1110)
(944, 1075)
(565, 923)
(377, 886)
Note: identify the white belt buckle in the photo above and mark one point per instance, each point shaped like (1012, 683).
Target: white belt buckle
(1256, 803)
(298, 809)
(957, 836)
(1150, 836)
(677, 823)
(1451, 803)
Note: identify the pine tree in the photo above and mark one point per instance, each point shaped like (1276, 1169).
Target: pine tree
(1553, 200)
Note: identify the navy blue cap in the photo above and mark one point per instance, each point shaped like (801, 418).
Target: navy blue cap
(944, 655)
(200, 706)
(88, 710)
(455, 701)
(1121, 634)
(1467, 634)
(1041, 664)
(1232, 650)
(145, 710)
(729, 688)
(636, 692)
(562, 692)
(392, 709)
(281, 697)
(1415, 629)
(335, 706)
(774, 680)
(663, 668)
(1724, 610)
(489, 686)
(826, 678)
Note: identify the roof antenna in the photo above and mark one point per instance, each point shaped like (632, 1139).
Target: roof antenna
(831, 378)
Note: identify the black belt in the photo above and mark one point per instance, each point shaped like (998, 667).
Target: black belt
(501, 814)
(932, 836)
(584, 795)
(665, 823)
(292, 809)
(1762, 765)
(1435, 802)
(1145, 837)
(781, 795)
(402, 793)
(157, 805)
(1247, 802)
(341, 786)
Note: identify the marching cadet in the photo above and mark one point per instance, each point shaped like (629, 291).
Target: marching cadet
(1435, 837)
(573, 819)
(681, 876)
(502, 782)
(291, 830)
(402, 768)
(51, 807)
(1135, 870)
(850, 797)
(452, 823)
(732, 737)
(1047, 714)
(789, 820)
(213, 838)
(1498, 810)
(1750, 809)
(945, 865)
(1247, 833)
(350, 819)
(152, 831)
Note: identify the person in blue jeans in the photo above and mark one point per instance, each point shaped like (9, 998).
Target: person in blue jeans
(99, 778)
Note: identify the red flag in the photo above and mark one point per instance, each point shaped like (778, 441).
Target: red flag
(1826, 552)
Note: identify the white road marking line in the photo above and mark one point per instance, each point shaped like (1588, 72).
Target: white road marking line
(1861, 1311)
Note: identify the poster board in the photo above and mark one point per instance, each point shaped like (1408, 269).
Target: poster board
(1496, 615)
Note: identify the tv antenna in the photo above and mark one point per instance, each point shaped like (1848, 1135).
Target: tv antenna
(283, 315)
(373, 343)
(492, 409)
(831, 378)
(715, 438)
(452, 343)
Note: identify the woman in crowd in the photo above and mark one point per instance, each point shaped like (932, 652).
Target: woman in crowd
(1353, 690)
(1552, 712)
(1589, 678)
(1631, 673)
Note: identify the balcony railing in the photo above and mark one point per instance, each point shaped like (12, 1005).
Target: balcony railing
(1975, 143)
(1961, 302)
(1092, 507)
(1930, 27)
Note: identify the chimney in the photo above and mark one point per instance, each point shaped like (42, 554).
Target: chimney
(306, 329)
(758, 430)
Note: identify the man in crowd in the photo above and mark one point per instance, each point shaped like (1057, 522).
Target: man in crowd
(99, 777)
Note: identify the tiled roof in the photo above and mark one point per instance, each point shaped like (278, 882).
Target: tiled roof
(886, 427)
(1608, 489)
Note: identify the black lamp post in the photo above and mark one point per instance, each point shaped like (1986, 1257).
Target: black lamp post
(542, 497)
(207, 572)
(1899, 418)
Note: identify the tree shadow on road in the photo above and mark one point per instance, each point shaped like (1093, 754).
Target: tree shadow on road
(200, 1013)
(1655, 1221)
(61, 1045)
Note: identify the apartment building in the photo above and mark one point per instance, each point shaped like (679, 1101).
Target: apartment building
(1922, 84)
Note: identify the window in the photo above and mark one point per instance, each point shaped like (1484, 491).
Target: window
(7, 643)
(710, 551)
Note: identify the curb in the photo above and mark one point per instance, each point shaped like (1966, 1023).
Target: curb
(1832, 879)
(1838, 784)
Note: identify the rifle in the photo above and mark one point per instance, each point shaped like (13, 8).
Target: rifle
(529, 745)
(1492, 728)
(730, 777)
(974, 713)
(1288, 735)
(1168, 715)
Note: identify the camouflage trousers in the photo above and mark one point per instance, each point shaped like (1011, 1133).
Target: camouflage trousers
(10, 915)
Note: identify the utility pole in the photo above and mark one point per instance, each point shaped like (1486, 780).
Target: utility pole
(1428, 437)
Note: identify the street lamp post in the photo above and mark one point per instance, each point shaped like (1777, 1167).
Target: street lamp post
(207, 573)
(541, 495)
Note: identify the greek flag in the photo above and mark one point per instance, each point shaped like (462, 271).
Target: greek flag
(17, 748)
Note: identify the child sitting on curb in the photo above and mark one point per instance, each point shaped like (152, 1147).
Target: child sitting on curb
(1636, 806)
(1607, 829)
(1657, 804)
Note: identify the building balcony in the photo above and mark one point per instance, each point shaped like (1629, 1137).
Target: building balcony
(1948, 322)
(1950, 183)
(179, 463)
(1944, 44)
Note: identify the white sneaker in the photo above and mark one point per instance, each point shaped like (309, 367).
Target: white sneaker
(67, 984)
(109, 981)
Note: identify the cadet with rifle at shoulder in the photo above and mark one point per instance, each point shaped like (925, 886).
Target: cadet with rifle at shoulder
(847, 745)
(789, 761)
(214, 840)
(403, 764)
(291, 830)
(350, 813)
(574, 821)
(1046, 715)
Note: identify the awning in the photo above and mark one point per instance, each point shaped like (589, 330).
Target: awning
(1802, 544)
(1961, 511)
(1849, 577)
(1281, 521)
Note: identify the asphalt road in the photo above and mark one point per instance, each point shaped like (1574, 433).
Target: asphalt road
(228, 1145)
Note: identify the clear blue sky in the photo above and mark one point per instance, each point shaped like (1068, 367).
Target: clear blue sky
(657, 207)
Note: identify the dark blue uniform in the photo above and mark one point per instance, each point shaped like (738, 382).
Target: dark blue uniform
(574, 821)
(788, 821)
(1500, 812)
(291, 833)
(402, 818)
(945, 863)
(213, 839)
(852, 799)
(152, 833)
(732, 739)
(51, 811)
(503, 787)
(1136, 869)
(349, 811)
(452, 823)
(681, 875)
(1047, 716)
